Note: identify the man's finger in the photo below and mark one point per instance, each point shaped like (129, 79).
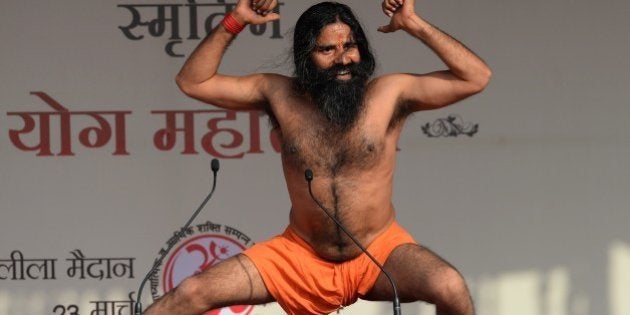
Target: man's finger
(261, 5)
(385, 29)
(271, 17)
(388, 7)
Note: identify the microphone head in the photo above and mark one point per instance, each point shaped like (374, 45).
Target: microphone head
(214, 165)
(308, 174)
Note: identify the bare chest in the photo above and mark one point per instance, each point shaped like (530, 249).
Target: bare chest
(311, 145)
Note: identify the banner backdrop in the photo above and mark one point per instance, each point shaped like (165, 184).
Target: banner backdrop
(524, 187)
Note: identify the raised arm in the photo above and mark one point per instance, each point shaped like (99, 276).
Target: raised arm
(199, 79)
(467, 74)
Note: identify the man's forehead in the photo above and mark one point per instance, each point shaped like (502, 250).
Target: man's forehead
(335, 32)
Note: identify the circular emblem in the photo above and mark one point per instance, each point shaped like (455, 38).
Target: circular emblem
(198, 253)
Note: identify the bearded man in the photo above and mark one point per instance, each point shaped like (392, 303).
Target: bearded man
(331, 118)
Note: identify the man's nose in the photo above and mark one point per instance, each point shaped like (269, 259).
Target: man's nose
(343, 58)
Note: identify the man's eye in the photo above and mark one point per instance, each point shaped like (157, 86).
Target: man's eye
(325, 50)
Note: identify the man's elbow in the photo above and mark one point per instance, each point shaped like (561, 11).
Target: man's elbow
(482, 80)
(180, 82)
(187, 87)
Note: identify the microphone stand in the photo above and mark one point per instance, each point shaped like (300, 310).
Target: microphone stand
(214, 165)
(308, 174)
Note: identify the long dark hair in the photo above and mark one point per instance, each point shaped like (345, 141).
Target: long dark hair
(308, 28)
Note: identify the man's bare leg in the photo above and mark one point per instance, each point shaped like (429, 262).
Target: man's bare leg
(421, 275)
(235, 281)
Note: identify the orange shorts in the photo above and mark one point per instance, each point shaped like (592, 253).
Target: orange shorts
(303, 283)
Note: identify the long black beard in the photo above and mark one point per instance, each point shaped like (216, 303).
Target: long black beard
(340, 102)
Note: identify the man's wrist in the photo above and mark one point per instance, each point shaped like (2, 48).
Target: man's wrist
(417, 26)
(233, 23)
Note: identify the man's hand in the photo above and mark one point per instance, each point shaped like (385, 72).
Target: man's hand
(255, 11)
(400, 11)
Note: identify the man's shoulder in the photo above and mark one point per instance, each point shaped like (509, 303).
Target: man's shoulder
(275, 77)
(388, 82)
(387, 78)
(279, 89)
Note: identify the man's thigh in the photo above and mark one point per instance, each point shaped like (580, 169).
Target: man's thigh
(419, 275)
(235, 281)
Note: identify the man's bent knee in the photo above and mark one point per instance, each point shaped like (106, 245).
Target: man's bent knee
(193, 293)
(451, 294)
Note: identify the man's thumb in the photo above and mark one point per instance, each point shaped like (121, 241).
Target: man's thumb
(385, 29)
(272, 17)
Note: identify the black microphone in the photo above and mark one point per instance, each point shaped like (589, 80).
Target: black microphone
(308, 174)
(214, 165)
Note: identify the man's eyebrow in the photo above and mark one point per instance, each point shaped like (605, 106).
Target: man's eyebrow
(325, 46)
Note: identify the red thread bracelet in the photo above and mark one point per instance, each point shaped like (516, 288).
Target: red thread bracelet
(231, 24)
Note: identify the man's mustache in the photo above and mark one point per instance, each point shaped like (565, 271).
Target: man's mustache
(331, 73)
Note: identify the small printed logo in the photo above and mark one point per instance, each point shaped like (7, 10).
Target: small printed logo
(451, 126)
(196, 250)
